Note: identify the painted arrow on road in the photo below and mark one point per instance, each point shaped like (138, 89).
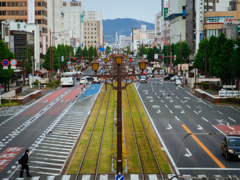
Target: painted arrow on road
(45, 101)
(200, 127)
(182, 111)
(169, 127)
(159, 111)
(188, 154)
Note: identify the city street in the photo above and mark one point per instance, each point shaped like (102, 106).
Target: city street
(175, 112)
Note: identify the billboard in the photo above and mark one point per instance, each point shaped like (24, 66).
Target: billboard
(44, 45)
(165, 13)
(31, 11)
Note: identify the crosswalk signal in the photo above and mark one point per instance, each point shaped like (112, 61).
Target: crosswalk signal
(82, 57)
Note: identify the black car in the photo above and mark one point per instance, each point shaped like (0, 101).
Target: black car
(168, 77)
(231, 147)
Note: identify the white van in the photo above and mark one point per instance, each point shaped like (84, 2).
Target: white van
(67, 81)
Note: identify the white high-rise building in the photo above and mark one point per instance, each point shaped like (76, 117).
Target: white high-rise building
(73, 23)
(55, 22)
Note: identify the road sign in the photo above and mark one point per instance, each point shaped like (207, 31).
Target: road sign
(201, 36)
(13, 67)
(13, 62)
(119, 177)
(0, 86)
(5, 62)
(62, 58)
(155, 56)
(5, 67)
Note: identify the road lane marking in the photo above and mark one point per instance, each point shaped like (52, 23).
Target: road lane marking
(166, 106)
(219, 112)
(204, 119)
(188, 106)
(177, 118)
(225, 169)
(177, 97)
(200, 127)
(169, 127)
(170, 111)
(188, 154)
(195, 112)
(204, 148)
(231, 119)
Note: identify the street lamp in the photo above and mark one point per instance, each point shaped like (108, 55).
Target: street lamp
(142, 64)
(118, 59)
(95, 65)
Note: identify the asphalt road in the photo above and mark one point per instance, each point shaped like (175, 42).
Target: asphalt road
(175, 113)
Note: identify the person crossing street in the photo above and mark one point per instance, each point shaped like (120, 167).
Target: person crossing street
(24, 164)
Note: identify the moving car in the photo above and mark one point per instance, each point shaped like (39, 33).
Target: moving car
(161, 72)
(231, 147)
(67, 81)
(95, 80)
(143, 79)
(168, 76)
(83, 80)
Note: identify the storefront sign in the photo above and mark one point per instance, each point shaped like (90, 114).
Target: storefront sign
(31, 11)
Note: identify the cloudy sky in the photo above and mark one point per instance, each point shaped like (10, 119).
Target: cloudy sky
(136, 9)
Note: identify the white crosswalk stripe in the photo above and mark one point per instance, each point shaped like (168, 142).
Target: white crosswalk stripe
(129, 177)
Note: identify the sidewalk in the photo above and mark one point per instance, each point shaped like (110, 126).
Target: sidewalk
(12, 87)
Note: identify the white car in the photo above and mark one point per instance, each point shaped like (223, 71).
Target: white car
(67, 81)
(178, 81)
(173, 78)
(95, 80)
(143, 79)
(83, 80)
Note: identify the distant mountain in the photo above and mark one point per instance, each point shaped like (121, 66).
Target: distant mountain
(122, 27)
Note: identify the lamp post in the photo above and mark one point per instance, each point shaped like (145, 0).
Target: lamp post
(119, 73)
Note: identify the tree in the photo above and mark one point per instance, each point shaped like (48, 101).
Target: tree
(85, 52)
(235, 65)
(166, 52)
(128, 50)
(46, 64)
(215, 56)
(223, 65)
(150, 54)
(5, 75)
(198, 60)
(108, 50)
(182, 49)
(79, 52)
(95, 51)
(91, 53)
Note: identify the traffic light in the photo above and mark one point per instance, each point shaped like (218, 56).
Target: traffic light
(161, 57)
(82, 57)
(74, 58)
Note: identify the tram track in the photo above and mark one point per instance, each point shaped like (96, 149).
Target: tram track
(139, 145)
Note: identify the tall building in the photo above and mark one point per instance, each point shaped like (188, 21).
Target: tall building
(55, 22)
(93, 29)
(125, 41)
(17, 10)
(143, 37)
(73, 22)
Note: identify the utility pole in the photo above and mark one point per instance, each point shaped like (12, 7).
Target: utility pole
(50, 63)
(205, 54)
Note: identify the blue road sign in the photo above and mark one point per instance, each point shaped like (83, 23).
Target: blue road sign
(119, 177)
(0, 86)
(201, 37)
(5, 62)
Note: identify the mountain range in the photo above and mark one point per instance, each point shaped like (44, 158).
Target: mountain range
(122, 27)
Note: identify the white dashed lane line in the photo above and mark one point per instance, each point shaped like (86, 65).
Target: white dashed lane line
(219, 112)
(204, 119)
(231, 119)
(177, 118)
(188, 106)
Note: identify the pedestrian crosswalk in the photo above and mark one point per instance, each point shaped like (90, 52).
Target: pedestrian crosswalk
(129, 177)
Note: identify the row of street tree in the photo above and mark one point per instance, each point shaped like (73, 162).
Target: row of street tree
(222, 55)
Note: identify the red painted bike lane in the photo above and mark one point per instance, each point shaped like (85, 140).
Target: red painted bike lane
(44, 102)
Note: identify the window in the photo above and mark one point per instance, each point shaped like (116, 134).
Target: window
(85, 37)
(12, 4)
(39, 21)
(8, 4)
(91, 28)
(8, 13)
(39, 4)
(91, 37)
(91, 24)
(17, 4)
(91, 32)
(12, 13)
(17, 12)
(39, 12)
(95, 28)
(21, 4)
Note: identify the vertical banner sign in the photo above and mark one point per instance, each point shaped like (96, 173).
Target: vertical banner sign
(44, 45)
(165, 13)
(31, 11)
(153, 44)
(201, 37)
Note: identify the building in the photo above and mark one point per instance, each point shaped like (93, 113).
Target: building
(227, 12)
(143, 37)
(73, 23)
(55, 22)
(177, 22)
(17, 11)
(93, 29)
(158, 36)
(209, 15)
(125, 41)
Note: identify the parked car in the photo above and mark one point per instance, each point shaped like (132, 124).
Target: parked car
(95, 80)
(231, 147)
(173, 78)
(178, 81)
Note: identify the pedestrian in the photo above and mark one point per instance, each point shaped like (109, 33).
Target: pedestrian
(24, 163)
